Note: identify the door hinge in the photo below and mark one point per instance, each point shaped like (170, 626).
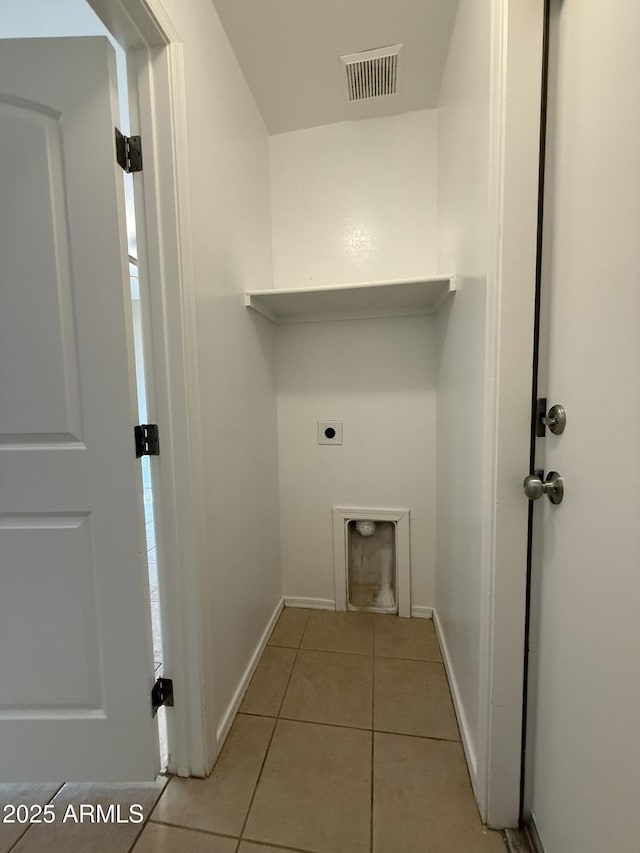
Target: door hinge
(129, 152)
(147, 440)
(161, 694)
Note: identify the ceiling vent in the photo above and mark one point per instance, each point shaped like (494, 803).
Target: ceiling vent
(372, 73)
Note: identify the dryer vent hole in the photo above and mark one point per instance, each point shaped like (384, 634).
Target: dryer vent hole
(371, 565)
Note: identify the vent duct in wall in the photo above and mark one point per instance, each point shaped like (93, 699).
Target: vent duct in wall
(372, 73)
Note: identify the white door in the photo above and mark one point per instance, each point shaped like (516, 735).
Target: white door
(583, 755)
(76, 665)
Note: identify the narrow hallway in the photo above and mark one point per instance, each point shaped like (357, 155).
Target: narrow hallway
(346, 741)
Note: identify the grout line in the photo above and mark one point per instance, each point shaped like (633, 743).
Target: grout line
(336, 652)
(193, 829)
(360, 729)
(352, 728)
(19, 838)
(258, 777)
(157, 822)
(415, 660)
(256, 714)
(304, 630)
(373, 738)
(272, 846)
(151, 811)
(139, 833)
(357, 654)
(295, 660)
(329, 725)
(29, 826)
(419, 737)
(264, 760)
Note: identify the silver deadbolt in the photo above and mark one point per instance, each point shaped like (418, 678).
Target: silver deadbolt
(535, 487)
(556, 419)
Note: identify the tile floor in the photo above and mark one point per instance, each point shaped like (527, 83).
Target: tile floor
(346, 742)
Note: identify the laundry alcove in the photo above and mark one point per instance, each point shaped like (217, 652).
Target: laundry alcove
(367, 333)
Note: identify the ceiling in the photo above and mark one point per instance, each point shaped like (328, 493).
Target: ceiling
(290, 53)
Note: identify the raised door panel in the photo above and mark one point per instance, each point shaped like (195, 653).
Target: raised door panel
(48, 570)
(39, 384)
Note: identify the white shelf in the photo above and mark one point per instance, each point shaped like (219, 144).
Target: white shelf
(371, 299)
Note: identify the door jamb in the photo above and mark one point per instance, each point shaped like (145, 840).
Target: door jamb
(514, 132)
(534, 398)
(155, 58)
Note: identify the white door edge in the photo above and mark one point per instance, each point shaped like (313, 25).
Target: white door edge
(514, 157)
(155, 58)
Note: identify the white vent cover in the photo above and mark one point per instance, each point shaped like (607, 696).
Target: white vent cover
(372, 73)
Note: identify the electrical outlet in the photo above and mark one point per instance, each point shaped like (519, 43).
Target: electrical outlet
(329, 432)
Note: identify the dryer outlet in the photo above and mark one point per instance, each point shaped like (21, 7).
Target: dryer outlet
(329, 432)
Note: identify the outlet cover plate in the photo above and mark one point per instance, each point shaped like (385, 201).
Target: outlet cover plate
(325, 427)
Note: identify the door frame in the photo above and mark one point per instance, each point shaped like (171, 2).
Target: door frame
(155, 64)
(514, 146)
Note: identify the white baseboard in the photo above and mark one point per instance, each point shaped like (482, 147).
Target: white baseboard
(532, 834)
(525, 840)
(467, 744)
(419, 612)
(311, 603)
(517, 841)
(230, 714)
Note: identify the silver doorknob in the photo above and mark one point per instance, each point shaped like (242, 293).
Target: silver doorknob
(535, 487)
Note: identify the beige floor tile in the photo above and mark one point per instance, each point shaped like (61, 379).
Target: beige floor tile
(326, 687)
(250, 847)
(412, 697)
(220, 803)
(423, 799)
(69, 836)
(289, 627)
(414, 639)
(269, 682)
(328, 631)
(157, 838)
(25, 795)
(315, 790)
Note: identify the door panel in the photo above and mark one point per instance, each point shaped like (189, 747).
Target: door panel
(40, 359)
(57, 571)
(584, 749)
(76, 665)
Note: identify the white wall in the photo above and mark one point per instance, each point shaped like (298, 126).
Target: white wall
(228, 152)
(463, 166)
(355, 201)
(378, 377)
